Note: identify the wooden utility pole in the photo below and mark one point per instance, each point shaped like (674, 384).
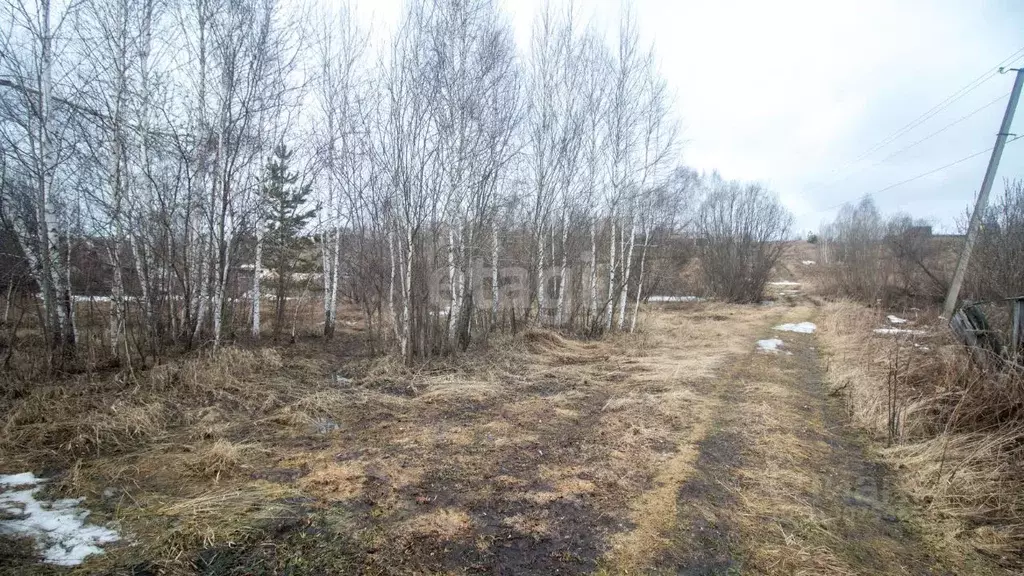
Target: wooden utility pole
(982, 203)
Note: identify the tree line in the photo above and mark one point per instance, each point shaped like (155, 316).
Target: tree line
(444, 180)
(897, 259)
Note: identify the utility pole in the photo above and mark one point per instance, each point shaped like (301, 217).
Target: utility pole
(982, 203)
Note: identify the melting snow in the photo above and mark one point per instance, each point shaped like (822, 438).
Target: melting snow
(675, 299)
(770, 345)
(899, 331)
(896, 320)
(808, 262)
(784, 283)
(58, 527)
(23, 479)
(802, 327)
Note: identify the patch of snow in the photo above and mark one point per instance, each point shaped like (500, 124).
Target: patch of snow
(84, 298)
(899, 331)
(771, 345)
(808, 262)
(675, 299)
(62, 536)
(784, 283)
(801, 327)
(23, 479)
(896, 319)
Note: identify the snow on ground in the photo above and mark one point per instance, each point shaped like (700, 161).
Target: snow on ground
(896, 320)
(770, 345)
(899, 331)
(675, 299)
(784, 283)
(808, 262)
(62, 536)
(801, 327)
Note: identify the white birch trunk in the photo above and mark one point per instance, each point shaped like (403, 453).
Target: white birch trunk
(69, 295)
(391, 284)
(203, 298)
(593, 270)
(407, 293)
(139, 253)
(116, 300)
(7, 302)
(327, 264)
(331, 315)
(222, 281)
(640, 281)
(495, 278)
(45, 216)
(564, 270)
(257, 272)
(454, 303)
(609, 307)
(627, 268)
(540, 278)
(141, 272)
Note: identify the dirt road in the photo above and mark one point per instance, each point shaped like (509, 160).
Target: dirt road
(782, 485)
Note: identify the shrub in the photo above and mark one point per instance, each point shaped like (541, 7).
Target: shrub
(742, 228)
(997, 264)
(869, 258)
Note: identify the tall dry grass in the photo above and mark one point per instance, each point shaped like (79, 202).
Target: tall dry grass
(958, 435)
(58, 423)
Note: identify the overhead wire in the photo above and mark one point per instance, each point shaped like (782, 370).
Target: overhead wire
(949, 100)
(924, 117)
(943, 129)
(922, 175)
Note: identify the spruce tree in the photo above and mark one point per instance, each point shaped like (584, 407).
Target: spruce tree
(285, 213)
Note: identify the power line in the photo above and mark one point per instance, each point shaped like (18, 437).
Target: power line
(919, 176)
(930, 172)
(927, 115)
(931, 112)
(925, 139)
(943, 129)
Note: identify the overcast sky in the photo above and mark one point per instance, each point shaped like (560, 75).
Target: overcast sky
(791, 93)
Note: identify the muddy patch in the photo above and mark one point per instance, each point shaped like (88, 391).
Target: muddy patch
(705, 544)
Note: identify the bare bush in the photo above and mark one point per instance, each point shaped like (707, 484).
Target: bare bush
(914, 269)
(872, 259)
(851, 247)
(997, 264)
(742, 228)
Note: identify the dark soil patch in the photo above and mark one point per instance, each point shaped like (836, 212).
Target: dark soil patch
(301, 542)
(704, 547)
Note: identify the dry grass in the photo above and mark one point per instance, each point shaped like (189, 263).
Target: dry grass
(542, 439)
(960, 443)
(653, 512)
(171, 445)
(445, 523)
(205, 451)
(210, 519)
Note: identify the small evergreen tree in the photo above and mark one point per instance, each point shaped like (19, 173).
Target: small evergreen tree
(285, 213)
